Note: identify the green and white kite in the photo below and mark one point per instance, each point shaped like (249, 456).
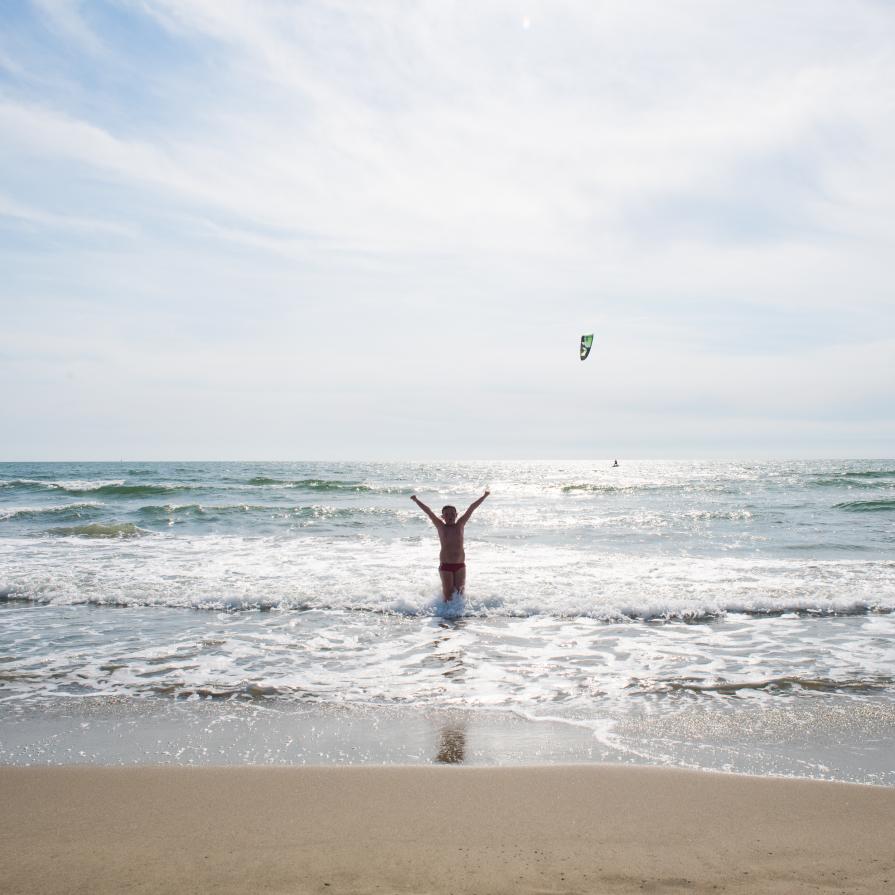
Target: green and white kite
(586, 344)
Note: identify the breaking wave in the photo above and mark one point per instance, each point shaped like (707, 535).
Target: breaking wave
(104, 488)
(875, 478)
(336, 485)
(66, 512)
(867, 506)
(99, 530)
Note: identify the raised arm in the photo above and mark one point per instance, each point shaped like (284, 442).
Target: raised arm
(465, 517)
(435, 520)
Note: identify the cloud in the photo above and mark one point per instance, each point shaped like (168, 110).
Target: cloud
(243, 188)
(41, 219)
(398, 131)
(65, 18)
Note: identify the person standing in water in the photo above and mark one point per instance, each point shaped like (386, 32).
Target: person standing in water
(452, 558)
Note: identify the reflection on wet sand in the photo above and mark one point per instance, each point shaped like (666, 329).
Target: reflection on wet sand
(452, 745)
(452, 736)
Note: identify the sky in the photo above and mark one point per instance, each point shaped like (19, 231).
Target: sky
(237, 229)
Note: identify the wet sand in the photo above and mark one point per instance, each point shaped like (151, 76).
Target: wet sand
(574, 828)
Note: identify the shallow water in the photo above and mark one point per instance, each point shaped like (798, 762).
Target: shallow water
(727, 615)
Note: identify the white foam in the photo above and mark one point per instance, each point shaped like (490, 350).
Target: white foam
(63, 485)
(345, 574)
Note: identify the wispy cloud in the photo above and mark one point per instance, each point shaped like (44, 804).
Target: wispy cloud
(65, 19)
(40, 219)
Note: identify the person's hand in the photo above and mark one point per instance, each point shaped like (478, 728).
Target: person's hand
(487, 492)
(413, 497)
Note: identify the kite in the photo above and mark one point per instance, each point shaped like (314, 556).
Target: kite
(586, 344)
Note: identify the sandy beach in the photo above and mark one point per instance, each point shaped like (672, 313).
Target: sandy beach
(447, 830)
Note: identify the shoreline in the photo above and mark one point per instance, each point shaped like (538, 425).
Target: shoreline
(565, 828)
(832, 738)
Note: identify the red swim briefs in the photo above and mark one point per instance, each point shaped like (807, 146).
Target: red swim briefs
(451, 566)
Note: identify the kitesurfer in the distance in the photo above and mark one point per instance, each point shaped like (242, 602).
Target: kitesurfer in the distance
(452, 559)
(614, 463)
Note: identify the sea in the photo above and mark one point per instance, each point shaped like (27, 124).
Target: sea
(726, 615)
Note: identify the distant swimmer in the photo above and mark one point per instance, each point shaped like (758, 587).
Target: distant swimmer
(452, 559)
(614, 463)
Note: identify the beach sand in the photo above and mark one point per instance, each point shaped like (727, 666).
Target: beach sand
(578, 828)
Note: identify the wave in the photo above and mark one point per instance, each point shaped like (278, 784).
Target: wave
(869, 474)
(211, 512)
(121, 488)
(27, 484)
(197, 510)
(67, 512)
(866, 479)
(99, 530)
(434, 607)
(344, 485)
(867, 506)
(776, 684)
(312, 484)
(115, 488)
